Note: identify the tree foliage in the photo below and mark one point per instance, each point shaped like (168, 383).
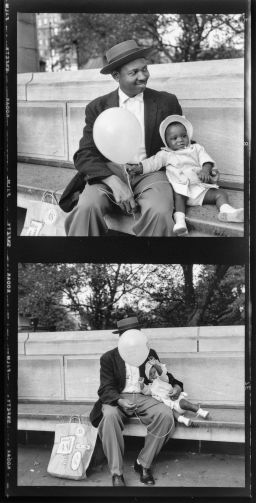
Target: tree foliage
(174, 37)
(95, 296)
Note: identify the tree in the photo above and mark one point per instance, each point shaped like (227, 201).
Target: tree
(207, 36)
(174, 37)
(161, 295)
(93, 33)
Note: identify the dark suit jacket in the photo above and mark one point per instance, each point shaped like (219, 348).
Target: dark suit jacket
(112, 381)
(90, 163)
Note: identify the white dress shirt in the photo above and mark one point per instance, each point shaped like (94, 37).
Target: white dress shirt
(131, 379)
(135, 105)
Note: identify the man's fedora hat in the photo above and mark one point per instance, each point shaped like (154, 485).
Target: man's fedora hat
(126, 324)
(123, 53)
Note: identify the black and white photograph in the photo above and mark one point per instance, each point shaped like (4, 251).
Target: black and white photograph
(131, 124)
(131, 374)
(128, 363)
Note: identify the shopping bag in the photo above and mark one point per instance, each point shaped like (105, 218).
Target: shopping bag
(74, 444)
(44, 218)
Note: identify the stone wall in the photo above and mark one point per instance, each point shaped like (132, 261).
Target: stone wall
(65, 365)
(51, 109)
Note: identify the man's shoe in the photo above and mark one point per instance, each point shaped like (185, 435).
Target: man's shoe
(118, 480)
(146, 476)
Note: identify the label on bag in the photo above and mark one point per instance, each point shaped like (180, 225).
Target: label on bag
(34, 228)
(80, 431)
(66, 445)
(50, 217)
(86, 447)
(75, 461)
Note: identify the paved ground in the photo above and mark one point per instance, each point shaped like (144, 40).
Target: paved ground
(174, 468)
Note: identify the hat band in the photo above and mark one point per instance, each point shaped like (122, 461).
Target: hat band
(126, 327)
(124, 54)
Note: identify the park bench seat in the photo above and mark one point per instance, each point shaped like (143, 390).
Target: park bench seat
(225, 424)
(35, 179)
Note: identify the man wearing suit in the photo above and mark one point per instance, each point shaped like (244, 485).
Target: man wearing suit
(151, 196)
(119, 397)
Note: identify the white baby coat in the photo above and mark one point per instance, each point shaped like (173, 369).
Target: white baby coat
(182, 168)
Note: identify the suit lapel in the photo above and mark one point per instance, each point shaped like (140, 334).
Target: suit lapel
(150, 111)
(121, 367)
(112, 100)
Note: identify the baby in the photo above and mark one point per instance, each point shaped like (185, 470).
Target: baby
(191, 172)
(160, 388)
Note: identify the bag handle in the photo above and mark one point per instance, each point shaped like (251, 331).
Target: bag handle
(75, 417)
(52, 195)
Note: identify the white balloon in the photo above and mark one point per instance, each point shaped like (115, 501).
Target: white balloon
(132, 347)
(117, 134)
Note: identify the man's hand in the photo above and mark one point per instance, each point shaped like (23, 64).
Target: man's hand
(175, 392)
(127, 406)
(122, 194)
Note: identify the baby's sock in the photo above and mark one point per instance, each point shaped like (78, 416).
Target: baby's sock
(184, 420)
(202, 413)
(179, 227)
(229, 214)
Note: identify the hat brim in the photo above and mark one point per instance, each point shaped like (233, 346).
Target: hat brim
(125, 59)
(125, 329)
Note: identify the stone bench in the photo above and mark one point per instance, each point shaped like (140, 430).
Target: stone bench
(51, 118)
(224, 425)
(59, 377)
(34, 180)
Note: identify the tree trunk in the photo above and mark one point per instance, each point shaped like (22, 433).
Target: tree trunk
(188, 283)
(203, 302)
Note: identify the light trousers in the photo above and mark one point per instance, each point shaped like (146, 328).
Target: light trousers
(153, 193)
(155, 415)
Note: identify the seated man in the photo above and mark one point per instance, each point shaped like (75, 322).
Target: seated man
(151, 195)
(119, 397)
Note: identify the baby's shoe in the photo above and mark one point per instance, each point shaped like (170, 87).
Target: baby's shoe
(180, 229)
(202, 413)
(184, 420)
(229, 214)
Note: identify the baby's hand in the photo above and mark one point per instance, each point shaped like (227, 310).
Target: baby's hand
(141, 383)
(204, 176)
(175, 392)
(134, 169)
(214, 176)
(153, 360)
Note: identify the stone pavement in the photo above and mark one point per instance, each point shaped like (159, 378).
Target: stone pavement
(177, 466)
